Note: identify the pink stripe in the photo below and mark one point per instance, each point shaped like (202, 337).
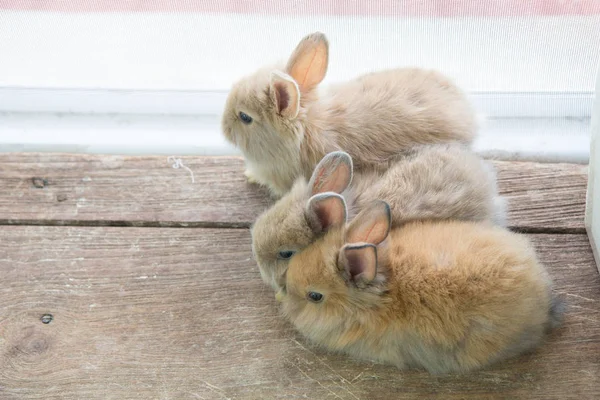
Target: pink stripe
(430, 8)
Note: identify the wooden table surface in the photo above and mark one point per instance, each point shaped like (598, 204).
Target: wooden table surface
(149, 290)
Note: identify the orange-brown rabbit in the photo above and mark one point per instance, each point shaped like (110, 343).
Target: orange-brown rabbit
(284, 126)
(444, 181)
(446, 296)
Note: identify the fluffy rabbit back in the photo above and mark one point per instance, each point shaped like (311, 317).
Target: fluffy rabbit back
(471, 294)
(445, 181)
(394, 110)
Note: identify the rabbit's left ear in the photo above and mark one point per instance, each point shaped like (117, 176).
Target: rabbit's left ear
(285, 94)
(359, 261)
(308, 63)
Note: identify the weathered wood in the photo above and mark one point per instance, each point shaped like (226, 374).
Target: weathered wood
(84, 189)
(544, 196)
(157, 313)
(117, 190)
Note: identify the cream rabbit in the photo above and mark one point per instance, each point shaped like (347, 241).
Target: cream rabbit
(283, 126)
(446, 296)
(445, 181)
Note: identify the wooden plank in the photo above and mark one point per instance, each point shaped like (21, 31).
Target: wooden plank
(157, 313)
(544, 196)
(84, 189)
(118, 190)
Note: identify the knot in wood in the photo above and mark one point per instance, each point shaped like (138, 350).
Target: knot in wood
(31, 343)
(39, 183)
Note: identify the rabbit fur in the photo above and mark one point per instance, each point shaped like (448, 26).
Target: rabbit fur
(444, 296)
(289, 125)
(445, 181)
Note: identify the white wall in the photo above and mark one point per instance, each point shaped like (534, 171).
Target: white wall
(592, 211)
(194, 51)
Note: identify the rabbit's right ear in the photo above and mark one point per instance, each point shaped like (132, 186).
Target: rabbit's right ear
(308, 63)
(325, 211)
(285, 94)
(371, 225)
(332, 174)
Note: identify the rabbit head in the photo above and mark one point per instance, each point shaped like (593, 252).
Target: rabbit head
(335, 278)
(296, 220)
(265, 112)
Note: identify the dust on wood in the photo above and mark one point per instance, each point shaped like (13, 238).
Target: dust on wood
(157, 313)
(147, 191)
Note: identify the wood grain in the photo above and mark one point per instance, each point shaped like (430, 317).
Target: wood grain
(159, 313)
(544, 197)
(119, 190)
(63, 189)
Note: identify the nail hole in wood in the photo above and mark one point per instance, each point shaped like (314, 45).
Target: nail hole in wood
(47, 318)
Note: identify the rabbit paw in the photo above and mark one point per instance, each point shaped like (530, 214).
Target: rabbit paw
(251, 178)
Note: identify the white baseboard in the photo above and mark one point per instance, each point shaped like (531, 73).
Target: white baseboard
(535, 139)
(541, 139)
(180, 102)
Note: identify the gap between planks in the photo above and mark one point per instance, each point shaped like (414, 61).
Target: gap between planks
(233, 225)
(93, 190)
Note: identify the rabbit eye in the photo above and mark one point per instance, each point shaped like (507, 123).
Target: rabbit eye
(285, 255)
(245, 118)
(315, 297)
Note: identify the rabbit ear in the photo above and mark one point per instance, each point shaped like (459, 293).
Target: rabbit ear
(325, 210)
(285, 94)
(308, 63)
(371, 225)
(332, 174)
(359, 261)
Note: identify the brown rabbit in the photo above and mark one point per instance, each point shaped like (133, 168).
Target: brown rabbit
(283, 126)
(446, 296)
(445, 181)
